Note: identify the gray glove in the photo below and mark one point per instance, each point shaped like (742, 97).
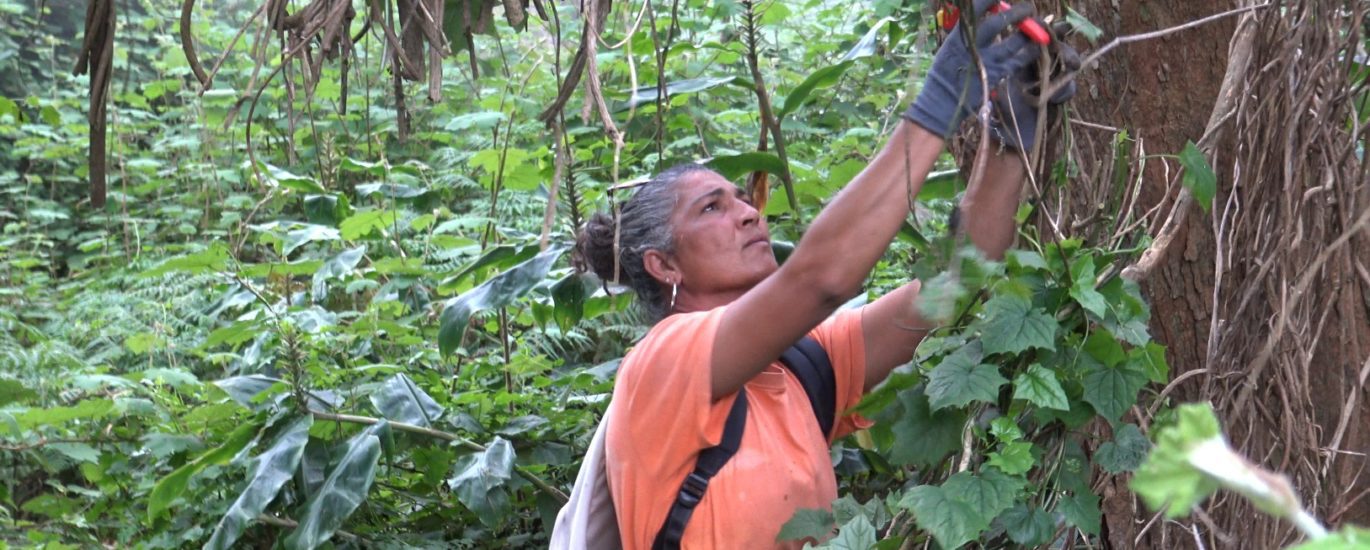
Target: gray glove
(1015, 102)
(952, 89)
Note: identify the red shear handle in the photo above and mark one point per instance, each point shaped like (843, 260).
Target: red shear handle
(948, 16)
(1029, 26)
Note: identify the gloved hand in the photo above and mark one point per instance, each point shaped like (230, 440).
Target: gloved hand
(952, 90)
(1015, 104)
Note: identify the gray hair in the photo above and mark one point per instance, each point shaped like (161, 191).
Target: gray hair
(643, 224)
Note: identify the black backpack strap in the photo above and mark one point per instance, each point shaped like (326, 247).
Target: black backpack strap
(709, 462)
(810, 364)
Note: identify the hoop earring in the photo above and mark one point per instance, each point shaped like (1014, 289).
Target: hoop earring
(675, 288)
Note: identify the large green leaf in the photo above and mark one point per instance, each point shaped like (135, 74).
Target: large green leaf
(479, 481)
(989, 492)
(247, 390)
(1014, 326)
(1112, 390)
(496, 256)
(828, 76)
(344, 489)
(501, 290)
(337, 266)
(211, 260)
(1039, 386)
(1125, 453)
(400, 400)
(951, 521)
(169, 488)
(1198, 175)
(270, 470)
(1082, 510)
(856, 534)
(12, 391)
(51, 416)
(361, 224)
(568, 300)
(648, 94)
(1027, 526)
(815, 523)
(961, 378)
(1082, 288)
(1167, 480)
(306, 234)
(732, 167)
(922, 437)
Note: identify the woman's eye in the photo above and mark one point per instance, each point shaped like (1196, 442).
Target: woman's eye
(710, 207)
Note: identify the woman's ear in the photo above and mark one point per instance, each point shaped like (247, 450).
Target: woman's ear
(661, 267)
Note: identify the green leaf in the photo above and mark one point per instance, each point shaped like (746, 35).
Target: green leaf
(400, 400)
(344, 489)
(9, 107)
(362, 224)
(52, 416)
(815, 523)
(857, 534)
(337, 266)
(481, 120)
(732, 167)
(568, 299)
(1027, 527)
(1082, 511)
(248, 390)
(648, 94)
(1013, 458)
(1038, 385)
(327, 209)
(824, 77)
(269, 472)
(497, 256)
(169, 488)
(1198, 176)
(1151, 360)
(1112, 390)
(1125, 453)
(923, 437)
(1082, 289)
(297, 183)
(960, 379)
(951, 521)
(307, 234)
(479, 482)
(13, 391)
(1167, 480)
(1103, 347)
(828, 76)
(1014, 326)
(212, 260)
(501, 290)
(1083, 25)
(989, 492)
(79, 452)
(1349, 537)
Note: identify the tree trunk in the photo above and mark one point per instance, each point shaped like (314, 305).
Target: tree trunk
(1286, 360)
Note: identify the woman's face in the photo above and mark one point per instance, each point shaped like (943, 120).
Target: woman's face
(721, 241)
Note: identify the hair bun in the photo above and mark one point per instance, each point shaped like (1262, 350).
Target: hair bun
(595, 248)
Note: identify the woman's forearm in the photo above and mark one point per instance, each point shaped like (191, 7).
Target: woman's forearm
(850, 235)
(990, 204)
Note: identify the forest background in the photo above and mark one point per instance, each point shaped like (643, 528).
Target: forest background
(296, 274)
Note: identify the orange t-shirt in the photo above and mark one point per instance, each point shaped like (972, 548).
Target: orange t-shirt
(664, 418)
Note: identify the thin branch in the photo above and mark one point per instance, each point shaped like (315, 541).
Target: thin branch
(292, 524)
(768, 120)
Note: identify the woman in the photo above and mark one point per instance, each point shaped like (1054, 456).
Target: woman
(698, 254)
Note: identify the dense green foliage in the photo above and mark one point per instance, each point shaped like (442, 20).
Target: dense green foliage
(357, 339)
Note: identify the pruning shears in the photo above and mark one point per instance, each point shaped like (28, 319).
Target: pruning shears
(950, 14)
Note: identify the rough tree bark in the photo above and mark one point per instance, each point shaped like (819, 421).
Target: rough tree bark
(1304, 414)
